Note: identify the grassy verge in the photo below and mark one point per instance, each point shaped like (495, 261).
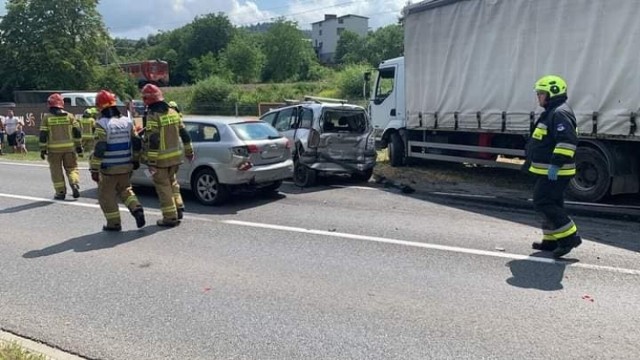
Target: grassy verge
(11, 351)
(436, 173)
(33, 153)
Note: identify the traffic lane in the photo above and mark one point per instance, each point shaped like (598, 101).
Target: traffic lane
(379, 212)
(219, 290)
(383, 213)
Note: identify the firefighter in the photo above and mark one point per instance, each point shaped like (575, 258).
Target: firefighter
(164, 135)
(60, 144)
(174, 106)
(550, 157)
(88, 124)
(115, 156)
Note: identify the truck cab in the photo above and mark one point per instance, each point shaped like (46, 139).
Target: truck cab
(387, 108)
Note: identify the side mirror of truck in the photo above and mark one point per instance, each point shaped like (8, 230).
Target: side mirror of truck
(367, 77)
(366, 90)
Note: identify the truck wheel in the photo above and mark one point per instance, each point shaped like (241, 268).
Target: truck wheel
(592, 180)
(395, 150)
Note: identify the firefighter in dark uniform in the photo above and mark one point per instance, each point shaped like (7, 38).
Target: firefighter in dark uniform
(60, 144)
(116, 155)
(165, 142)
(550, 156)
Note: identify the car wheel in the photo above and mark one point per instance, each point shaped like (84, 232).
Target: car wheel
(362, 176)
(303, 176)
(207, 189)
(592, 180)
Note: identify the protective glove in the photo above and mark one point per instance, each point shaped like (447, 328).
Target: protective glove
(43, 154)
(80, 151)
(189, 157)
(95, 176)
(553, 172)
(136, 165)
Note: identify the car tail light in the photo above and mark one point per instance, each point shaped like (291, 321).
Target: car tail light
(314, 138)
(245, 166)
(245, 150)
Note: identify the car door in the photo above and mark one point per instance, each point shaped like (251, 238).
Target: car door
(205, 140)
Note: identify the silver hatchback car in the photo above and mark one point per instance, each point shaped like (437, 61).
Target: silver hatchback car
(230, 153)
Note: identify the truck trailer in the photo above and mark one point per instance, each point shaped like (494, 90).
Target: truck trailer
(464, 89)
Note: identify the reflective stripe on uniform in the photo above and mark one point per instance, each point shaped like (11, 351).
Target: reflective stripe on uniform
(565, 149)
(562, 232)
(61, 145)
(131, 199)
(543, 169)
(112, 215)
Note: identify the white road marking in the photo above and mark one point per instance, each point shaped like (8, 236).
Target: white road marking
(376, 239)
(33, 165)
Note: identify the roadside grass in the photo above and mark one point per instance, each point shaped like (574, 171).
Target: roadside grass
(33, 154)
(445, 173)
(12, 351)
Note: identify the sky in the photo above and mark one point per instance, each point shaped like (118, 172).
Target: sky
(136, 19)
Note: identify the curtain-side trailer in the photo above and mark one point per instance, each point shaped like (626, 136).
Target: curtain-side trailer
(463, 91)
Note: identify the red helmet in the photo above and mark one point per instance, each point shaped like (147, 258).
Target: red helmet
(105, 99)
(55, 101)
(151, 94)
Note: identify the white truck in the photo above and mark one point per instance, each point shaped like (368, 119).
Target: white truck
(463, 92)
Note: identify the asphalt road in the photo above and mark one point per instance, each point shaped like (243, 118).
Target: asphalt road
(332, 272)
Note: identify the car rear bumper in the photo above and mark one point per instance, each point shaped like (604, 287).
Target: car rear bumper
(329, 165)
(257, 174)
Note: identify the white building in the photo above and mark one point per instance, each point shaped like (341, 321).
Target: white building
(325, 33)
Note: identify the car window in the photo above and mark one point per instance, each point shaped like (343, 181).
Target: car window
(202, 132)
(349, 121)
(306, 119)
(269, 118)
(285, 119)
(255, 130)
(67, 101)
(81, 102)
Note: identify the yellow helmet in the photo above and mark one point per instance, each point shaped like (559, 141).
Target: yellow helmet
(173, 104)
(552, 84)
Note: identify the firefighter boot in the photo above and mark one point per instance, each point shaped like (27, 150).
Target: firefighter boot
(116, 227)
(545, 245)
(138, 214)
(75, 189)
(59, 196)
(180, 213)
(566, 245)
(168, 222)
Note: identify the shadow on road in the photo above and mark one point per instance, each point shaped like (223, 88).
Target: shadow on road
(537, 275)
(97, 241)
(25, 207)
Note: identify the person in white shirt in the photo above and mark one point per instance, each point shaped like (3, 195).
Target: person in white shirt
(11, 127)
(1, 133)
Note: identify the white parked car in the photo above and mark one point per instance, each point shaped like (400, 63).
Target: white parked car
(230, 153)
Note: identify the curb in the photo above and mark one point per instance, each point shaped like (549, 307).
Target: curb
(48, 352)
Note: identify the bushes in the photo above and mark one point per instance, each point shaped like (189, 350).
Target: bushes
(350, 81)
(208, 94)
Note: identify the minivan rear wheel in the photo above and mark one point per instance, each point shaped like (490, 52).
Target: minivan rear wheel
(303, 176)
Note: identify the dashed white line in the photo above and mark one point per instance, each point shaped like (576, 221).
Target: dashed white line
(454, 249)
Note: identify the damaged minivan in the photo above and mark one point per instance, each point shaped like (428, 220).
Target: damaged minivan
(329, 138)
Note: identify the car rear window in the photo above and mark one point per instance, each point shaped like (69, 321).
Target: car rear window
(339, 120)
(255, 130)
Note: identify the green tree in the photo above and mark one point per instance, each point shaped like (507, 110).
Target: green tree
(285, 48)
(350, 48)
(244, 58)
(50, 44)
(209, 33)
(207, 66)
(385, 43)
(111, 77)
